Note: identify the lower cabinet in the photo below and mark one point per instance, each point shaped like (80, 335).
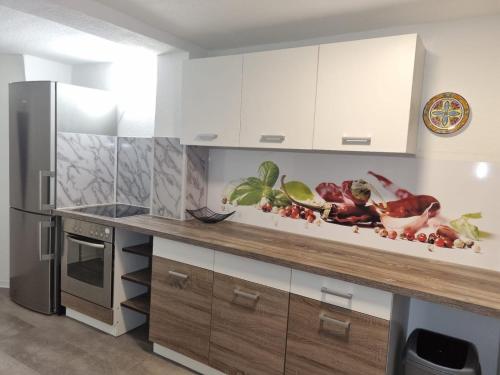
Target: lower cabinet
(325, 339)
(181, 305)
(249, 324)
(221, 323)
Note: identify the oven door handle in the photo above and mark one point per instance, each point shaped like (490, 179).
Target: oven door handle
(85, 243)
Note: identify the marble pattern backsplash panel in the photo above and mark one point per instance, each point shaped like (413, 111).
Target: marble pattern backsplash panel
(196, 176)
(133, 181)
(167, 178)
(85, 169)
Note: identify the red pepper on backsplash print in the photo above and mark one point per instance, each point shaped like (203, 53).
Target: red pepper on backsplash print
(391, 186)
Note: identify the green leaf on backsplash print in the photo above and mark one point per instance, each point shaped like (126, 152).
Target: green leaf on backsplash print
(268, 173)
(248, 193)
(299, 191)
(279, 199)
(465, 228)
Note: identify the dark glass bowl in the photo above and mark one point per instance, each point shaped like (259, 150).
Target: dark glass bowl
(206, 215)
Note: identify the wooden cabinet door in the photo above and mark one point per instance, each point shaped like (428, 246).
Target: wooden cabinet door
(181, 305)
(368, 95)
(324, 339)
(211, 101)
(278, 99)
(248, 327)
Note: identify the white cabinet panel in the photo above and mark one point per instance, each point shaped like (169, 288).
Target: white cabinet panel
(279, 91)
(255, 271)
(211, 105)
(184, 253)
(340, 293)
(368, 95)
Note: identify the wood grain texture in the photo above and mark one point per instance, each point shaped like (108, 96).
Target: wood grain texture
(248, 336)
(462, 287)
(316, 348)
(87, 308)
(142, 277)
(140, 303)
(181, 310)
(145, 249)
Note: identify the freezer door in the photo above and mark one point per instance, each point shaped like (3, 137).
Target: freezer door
(32, 145)
(32, 247)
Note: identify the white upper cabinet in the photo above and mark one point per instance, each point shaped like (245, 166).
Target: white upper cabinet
(368, 95)
(278, 98)
(211, 105)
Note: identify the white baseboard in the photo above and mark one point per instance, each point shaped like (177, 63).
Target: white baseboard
(185, 361)
(4, 284)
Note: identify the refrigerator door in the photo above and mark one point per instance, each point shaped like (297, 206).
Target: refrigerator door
(32, 146)
(32, 246)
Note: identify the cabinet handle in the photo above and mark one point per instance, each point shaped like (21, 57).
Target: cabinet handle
(48, 255)
(326, 290)
(272, 138)
(251, 296)
(361, 141)
(178, 275)
(45, 206)
(342, 325)
(207, 137)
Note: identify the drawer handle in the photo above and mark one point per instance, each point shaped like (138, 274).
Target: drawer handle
(344, 326)
(272, 138)
(178, 275)
(347, 296)
(207, 136)
(362, 141)
(251, 296)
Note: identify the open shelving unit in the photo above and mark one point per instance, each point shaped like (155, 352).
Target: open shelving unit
(141, 302)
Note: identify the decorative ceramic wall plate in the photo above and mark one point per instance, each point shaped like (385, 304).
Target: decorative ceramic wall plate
(446, 113)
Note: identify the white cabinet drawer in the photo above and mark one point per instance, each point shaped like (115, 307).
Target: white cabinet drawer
(184, 253)
(351, 296)
(271, 275)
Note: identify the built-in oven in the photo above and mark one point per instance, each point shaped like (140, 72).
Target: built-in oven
(87, 261)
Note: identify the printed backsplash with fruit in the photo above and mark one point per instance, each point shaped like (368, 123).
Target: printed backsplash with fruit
(375, 205)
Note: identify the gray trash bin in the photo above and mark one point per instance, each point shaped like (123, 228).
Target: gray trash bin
(430, 353)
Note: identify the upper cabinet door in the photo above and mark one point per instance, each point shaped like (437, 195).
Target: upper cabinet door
(368, 95)
(279, 91)
(211, 105)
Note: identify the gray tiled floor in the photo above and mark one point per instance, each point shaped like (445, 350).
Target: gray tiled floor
(35, 344)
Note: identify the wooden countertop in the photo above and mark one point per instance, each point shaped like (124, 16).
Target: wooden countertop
(467, 288)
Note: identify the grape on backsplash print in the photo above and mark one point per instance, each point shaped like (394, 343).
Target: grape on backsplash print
(358, 204)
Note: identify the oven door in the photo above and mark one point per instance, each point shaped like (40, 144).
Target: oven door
(87, 269)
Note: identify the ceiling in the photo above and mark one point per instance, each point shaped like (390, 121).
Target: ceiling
(24, 33)
(224, 24)
(75, 31)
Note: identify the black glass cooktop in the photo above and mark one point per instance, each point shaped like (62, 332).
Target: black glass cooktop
(114, 210)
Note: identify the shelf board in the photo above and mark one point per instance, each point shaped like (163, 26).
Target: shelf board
(145, 249)
(142, 277)
(139, 303)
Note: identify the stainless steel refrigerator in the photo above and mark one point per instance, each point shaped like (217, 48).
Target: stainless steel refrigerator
(37, 111)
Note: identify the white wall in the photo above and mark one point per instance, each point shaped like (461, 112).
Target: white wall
(96, 76)
(38, 69)
(11, 70)
(169, 94)
(133, 81)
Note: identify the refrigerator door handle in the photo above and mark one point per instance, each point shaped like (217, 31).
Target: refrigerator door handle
(49, 254)
(49, 175)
